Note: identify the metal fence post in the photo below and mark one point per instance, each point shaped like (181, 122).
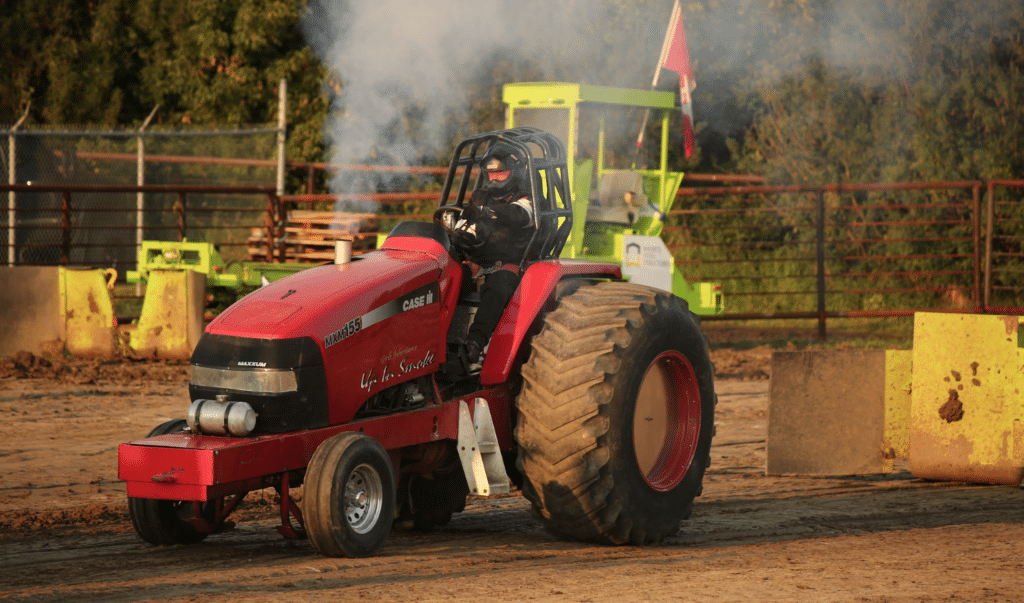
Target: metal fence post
(65, 228)
(282, 99)
(976, 227)
(12, 174)
(989, 215)
(273, 202)
(140, 198)
(277, 209)
(280, 231)
(181, 216)
(820, 253)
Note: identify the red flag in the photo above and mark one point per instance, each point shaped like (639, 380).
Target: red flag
(675, 56)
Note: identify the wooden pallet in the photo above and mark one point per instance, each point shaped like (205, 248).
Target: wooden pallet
(310, 236)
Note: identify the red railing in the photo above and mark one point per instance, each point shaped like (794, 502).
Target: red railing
(312, 167)
(798, 251)
(870, 240)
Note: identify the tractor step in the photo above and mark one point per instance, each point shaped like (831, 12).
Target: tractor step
(479, 451)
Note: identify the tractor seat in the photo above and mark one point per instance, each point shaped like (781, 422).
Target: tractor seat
(620, 198)
(429, 230)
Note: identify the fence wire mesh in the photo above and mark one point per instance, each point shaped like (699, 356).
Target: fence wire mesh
(1005, 264)
(883, 246)
(956, 246)
(105, 227)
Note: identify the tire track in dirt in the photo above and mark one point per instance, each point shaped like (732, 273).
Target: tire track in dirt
(874, 538)
(489, 540)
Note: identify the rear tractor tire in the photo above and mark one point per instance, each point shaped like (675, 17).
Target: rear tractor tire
(162, 522)
(349, 496)
(616, 415)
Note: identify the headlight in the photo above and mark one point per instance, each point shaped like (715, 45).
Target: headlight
(259, 381)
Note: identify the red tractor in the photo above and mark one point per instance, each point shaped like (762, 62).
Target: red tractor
(595, 396)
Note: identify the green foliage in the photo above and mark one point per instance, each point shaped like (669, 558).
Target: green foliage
(205, 63)
(937, 99)
(40, 54)
(883, 91)
(797, 91)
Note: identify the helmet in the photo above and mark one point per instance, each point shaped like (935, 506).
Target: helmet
(505, 171)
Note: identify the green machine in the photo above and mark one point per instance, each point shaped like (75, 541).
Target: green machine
(187, 283)
(618, 214)
(205, 259)
(225, 281)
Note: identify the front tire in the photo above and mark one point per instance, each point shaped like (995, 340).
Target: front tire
(433, 499)
(350, 496)
(169, 522)
(616, 415)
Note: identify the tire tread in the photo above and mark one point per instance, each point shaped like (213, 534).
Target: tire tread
(563, 413)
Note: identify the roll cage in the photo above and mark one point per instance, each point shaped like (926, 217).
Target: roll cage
(549, 188)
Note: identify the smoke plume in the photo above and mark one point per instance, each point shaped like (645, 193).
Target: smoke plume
(393, 59)
(405, 70)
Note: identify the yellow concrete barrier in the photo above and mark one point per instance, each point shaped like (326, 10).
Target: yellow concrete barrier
(827, 413)
(967, 406)
(172, 315)
(86, 312)
(896, 438)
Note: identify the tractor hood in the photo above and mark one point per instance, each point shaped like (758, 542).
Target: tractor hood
(346, 332)
(321, 301)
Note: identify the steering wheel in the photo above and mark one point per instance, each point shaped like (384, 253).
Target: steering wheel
(441, 216)
(448, 216)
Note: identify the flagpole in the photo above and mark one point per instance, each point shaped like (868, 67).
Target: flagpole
(677, 14)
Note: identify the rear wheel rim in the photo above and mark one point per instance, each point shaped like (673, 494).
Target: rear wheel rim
(364, 499)
(666, 421)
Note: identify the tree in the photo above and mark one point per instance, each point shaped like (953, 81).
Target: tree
(935, 94)
(210, 63)
(44, 43)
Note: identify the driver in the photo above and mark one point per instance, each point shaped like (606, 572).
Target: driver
(494, 231)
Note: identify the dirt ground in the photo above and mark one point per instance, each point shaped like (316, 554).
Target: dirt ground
(65, 534)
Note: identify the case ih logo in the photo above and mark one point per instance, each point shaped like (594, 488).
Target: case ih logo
(418, 302)
(420, 298)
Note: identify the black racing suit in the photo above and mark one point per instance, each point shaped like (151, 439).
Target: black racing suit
(498, 231)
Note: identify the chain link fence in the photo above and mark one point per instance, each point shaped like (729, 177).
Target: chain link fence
(876, 249)
(107, 227)
(855, 249)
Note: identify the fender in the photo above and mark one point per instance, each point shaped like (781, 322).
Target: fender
(535, 290)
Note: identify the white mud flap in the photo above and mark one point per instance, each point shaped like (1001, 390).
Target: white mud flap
(479, 452)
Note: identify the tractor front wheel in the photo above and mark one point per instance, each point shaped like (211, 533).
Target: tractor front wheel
(616, 415)
(170, 521)
(349, 496)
